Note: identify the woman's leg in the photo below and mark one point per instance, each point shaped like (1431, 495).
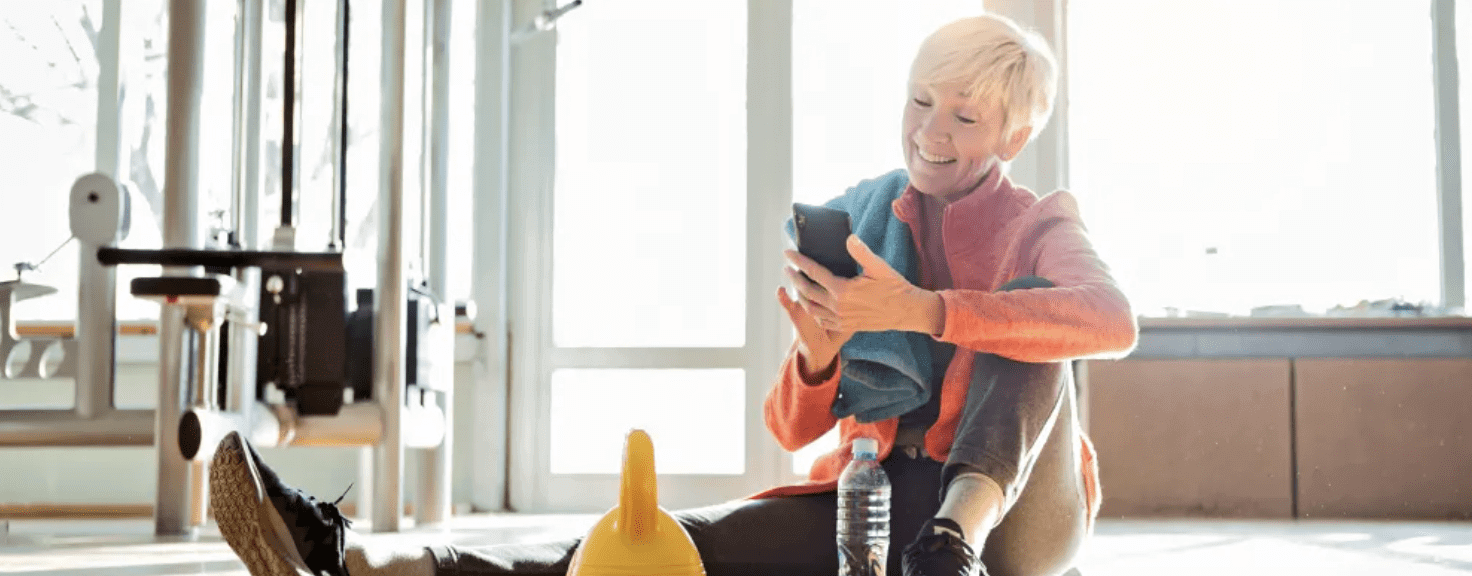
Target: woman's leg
(278, 529)
(1043, 530)
(1018, 429)
(1009, 411)
(787, 536)
(792, 535)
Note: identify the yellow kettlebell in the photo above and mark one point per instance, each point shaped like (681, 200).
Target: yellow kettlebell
(637, 537)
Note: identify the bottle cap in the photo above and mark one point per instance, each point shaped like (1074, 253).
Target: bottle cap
(866, 446)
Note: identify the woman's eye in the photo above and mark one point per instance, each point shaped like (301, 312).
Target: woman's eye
(920, 103)
(965, 120)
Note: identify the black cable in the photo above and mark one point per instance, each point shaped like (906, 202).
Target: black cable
(22, 267)
(342, 161)
(288, 134)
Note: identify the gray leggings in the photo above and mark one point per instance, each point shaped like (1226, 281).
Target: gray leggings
(1019, 427)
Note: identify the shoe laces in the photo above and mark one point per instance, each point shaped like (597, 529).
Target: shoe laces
(325, 544)
(330, 512)
(947, 543)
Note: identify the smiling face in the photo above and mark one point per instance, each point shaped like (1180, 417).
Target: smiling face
(951, 142)
(979, 88)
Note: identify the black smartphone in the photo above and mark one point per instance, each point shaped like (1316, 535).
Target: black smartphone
(822, 234)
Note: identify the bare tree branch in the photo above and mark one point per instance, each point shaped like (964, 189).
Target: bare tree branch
(30, 106)
(76, 58)
(140, 172)
(92, 29)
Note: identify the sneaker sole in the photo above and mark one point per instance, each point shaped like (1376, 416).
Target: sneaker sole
(246, 517)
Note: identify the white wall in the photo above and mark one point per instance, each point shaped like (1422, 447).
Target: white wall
(127, 475)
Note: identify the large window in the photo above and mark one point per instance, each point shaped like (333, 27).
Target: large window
(1230, 154)
(646, 320)
(48, 116)
(651, 184)
(850, 75)
(52, 111)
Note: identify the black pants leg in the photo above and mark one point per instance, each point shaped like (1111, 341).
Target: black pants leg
(1019, 428)
(790, 536)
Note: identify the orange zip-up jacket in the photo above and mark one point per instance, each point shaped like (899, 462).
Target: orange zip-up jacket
(995, 234)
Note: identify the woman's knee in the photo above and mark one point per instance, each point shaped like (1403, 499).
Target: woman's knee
(1035, 558)
(1033, 542)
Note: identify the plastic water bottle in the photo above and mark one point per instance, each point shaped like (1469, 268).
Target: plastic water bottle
(863, 513)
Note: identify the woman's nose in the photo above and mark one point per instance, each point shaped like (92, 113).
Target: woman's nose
(931, 130)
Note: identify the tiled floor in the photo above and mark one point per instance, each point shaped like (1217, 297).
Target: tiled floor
(1134, 548)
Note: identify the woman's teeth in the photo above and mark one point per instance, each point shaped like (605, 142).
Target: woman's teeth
(934, 159)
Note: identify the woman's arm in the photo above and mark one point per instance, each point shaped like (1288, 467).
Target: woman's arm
(1085, 315)
(799, 410)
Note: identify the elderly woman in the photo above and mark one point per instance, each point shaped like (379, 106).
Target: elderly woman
(986, 288)
(1001, 289)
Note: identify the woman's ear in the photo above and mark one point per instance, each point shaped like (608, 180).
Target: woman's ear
(1014, 145)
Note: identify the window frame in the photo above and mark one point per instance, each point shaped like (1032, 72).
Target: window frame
(1451, 238)
(533, 355)
(1448, 151)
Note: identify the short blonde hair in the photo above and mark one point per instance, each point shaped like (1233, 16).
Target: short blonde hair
(1000, 64)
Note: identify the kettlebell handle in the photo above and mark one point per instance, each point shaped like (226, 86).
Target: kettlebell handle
(638, 500)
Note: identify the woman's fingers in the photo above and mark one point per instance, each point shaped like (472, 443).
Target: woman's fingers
(812, 333)
(805, 309)
(815, 272)
(812, 339)
(808, 290)
(799, 312)
(823, 317)
(794, 310)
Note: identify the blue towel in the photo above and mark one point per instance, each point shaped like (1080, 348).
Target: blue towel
(884, 374)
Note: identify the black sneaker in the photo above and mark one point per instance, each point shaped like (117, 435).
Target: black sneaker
(276, 530)
(941, 554)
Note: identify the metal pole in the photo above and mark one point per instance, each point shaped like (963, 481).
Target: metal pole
(366, 488)
(97, 294)
(290, 129)
(361, 424)
(1448, 151)
(243, 338)
(172, 497)
(243, 27)
(389, 322)
(96, 332)
(489, 394)
(358, 424)
(36, 428)
(529, 173)
(338, 239)
(769, 185)
(434, 477)
(181, 230)
(109, 117)
(253, 19)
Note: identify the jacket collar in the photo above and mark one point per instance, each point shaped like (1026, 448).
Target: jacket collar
(907, 206)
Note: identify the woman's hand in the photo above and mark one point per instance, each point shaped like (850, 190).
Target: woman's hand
(878, 299)
(818, 346)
